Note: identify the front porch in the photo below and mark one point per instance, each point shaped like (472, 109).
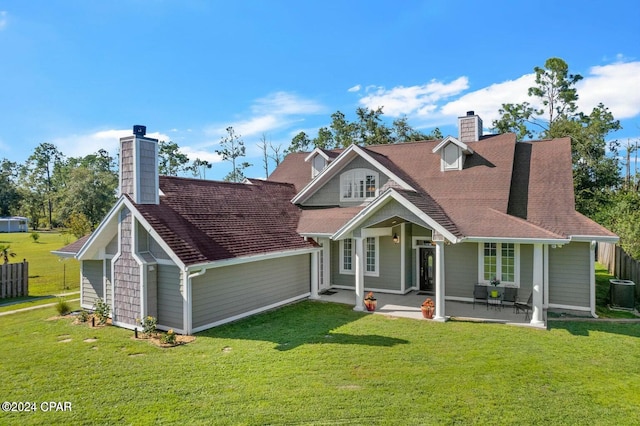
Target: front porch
(408, 306)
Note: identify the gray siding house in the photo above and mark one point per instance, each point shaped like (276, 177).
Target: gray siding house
(434, 216)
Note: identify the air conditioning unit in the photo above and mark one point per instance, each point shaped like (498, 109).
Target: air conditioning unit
(622, 294)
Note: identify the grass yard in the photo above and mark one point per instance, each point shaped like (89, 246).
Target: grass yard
(321, 363)
(48, 274)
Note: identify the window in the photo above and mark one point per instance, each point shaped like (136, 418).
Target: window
(370, 246)
(371, 256)
(490, 261)
(500, 260)
(318, 165)
(451, 157)
(508, 262)
(358, 184)
(347, 254)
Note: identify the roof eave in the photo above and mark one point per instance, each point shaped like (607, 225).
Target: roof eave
(250, 258)
(516, 240)
(599, 238)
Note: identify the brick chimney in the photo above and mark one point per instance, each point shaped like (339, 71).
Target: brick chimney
(139, 167)
(469, 128)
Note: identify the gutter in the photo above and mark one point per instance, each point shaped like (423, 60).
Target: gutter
(187, 304)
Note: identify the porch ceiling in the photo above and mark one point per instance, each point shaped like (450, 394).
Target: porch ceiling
(388, 223)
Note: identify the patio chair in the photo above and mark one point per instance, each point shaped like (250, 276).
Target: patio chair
(480, 294)
(526, 307)
(510, 296)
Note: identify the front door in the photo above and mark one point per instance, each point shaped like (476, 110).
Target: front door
(427, 269)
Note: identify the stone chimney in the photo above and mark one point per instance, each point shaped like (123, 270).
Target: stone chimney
(469, 128)
(139, 167)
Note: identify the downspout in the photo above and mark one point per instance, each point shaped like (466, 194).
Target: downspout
(188, 314)
(592, 279)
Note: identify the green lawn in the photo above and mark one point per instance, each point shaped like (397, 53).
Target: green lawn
(48, 274)
(323, 363)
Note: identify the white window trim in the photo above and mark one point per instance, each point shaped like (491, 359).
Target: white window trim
(516, 271)
(352, 271)
(352, 175)
(341, 258)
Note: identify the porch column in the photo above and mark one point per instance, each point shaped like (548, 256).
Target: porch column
(538, 273)
(439, 316)
(359, 269)
(314, 276)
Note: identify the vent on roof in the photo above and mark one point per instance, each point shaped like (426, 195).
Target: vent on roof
(139, 130)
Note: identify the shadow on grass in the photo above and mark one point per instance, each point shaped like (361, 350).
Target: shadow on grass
(22, 299)
(299, 324)
(585, 328)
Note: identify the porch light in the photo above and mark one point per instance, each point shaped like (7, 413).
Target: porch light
(396, 239)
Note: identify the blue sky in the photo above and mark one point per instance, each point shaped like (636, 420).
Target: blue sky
(80, 74)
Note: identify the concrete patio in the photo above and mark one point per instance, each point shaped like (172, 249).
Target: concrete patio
(408, 306)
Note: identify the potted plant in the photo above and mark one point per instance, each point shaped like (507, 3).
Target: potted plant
(428, 308)
(370, 302)
(495, 282)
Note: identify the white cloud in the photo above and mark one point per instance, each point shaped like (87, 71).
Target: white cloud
(85, 144)
(3, 19)
(355, 88)
(436, 103)
(412, 100)
(487, 101)
(208, 155)
(616, 85)
(274, 112)
(283, 103)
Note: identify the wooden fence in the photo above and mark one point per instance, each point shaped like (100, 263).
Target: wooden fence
(620, 264)
(14, 279)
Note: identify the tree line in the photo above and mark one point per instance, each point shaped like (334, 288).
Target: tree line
(52, 190)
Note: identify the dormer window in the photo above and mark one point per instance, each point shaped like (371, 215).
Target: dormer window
(451, 157)
(358, 185)
(319, 160)
(452, 153)
(318, 164)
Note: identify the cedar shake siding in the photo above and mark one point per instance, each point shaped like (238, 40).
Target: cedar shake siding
(148, 171)
(126, 307)
(92, 283)
(231, 292)
(108, 285)
(127, 182)
(570, 275)
(139, 169)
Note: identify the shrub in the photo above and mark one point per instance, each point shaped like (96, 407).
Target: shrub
(63, 307)
(149, 325)
(83, 316)
(35, 236)
(101, 310)
(169, 338)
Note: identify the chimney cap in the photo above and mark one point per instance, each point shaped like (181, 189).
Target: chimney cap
(470, 113)
(139, 130)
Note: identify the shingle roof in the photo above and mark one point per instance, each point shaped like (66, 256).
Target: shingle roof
(74, 247)
(325, 221)
(204, 221)
(506, 189)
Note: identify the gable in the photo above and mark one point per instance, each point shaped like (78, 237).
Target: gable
(332, 194)
(344, 159)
